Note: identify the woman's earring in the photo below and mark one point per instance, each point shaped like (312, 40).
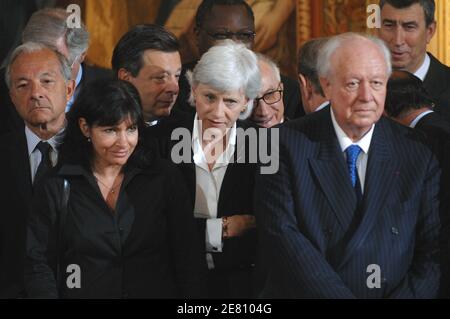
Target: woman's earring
(89, 139)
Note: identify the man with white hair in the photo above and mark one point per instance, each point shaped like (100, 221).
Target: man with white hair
(353, 210)
(268, 107)
(40, 86)
(49, 26)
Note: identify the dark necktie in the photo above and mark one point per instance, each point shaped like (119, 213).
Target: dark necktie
(45, 163)
(353, 152)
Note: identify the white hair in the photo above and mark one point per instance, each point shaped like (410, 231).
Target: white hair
(48, 25)
(275, 69)
(228, 66)
(29, 47)
(334, 43)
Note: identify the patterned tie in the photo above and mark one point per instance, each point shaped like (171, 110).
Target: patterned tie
(352, 155)
(45, 163)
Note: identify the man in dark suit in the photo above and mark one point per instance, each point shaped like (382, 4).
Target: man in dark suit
(40, 85)
(408, 103)
(217, 20)
(352, 211)
(313, 97)
(49, 26)
(148, 57)
(407, 27)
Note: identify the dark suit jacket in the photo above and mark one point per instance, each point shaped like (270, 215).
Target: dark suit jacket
(146, 248)
(15, 197)
(437, 131)
(291, 95)
(437, 84)
(10, 119)
(236, 198)
(157, 138)
(305, 211)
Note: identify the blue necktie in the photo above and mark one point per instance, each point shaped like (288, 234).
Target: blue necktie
(352, 155)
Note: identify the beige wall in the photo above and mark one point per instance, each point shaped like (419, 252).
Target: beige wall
(440, 44)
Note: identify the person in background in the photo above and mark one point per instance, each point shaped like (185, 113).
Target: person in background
(313, 97)
(218, 20)
(147, 56)
(408, 103)
(268, 108)
(407, 26)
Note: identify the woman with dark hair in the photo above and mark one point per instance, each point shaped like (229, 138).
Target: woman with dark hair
(111, 221)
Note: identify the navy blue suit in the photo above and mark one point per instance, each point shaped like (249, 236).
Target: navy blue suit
(306, 210)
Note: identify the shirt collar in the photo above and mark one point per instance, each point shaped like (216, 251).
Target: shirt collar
(199, 156)
(345, 141)
(422, 71)
(321, 106)
(33, 140)
(151, 123)
(418, 118)
(79, 75)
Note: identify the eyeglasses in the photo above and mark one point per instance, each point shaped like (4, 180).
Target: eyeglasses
(244, 36)
(271, 97)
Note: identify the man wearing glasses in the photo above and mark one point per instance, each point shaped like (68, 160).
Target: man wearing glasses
(218, 20)
(268, 107)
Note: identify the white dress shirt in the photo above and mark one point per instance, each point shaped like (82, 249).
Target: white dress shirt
(321, 106)
(35, 155)
(422, 71)
(207, 189)
(364, 143)
(418, 118)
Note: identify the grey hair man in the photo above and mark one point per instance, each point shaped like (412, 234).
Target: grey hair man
(313, 97)
(268, 106)
(39, 86)
(49, 26)
(371, 184)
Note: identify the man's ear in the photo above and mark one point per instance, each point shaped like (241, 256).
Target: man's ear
(84, 127)
(325, 84)
(302, 80)
(431, 30)
(70, 89)
(82, 57)
(123, 74)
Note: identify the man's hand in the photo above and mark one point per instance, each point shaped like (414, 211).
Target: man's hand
(238, 225)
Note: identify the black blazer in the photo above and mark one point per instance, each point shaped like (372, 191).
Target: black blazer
(15, 197)
(147, 248)
(437, 131)
(157, 138)
(305, 213)
(291, 96)
(437, 84)
(236, 198)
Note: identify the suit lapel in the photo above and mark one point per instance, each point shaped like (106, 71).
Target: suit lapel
(21, 165)
(380, 175)
(331, 172)
(435, 80)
